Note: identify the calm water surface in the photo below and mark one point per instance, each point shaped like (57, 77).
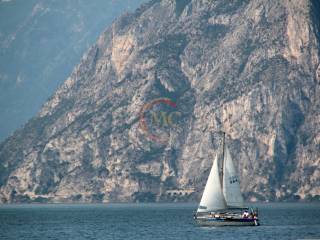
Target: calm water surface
(150, 221)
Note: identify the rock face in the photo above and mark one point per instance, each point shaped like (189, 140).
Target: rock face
(134, 118)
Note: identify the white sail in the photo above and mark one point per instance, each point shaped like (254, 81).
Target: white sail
(212, 198)
(231, 184)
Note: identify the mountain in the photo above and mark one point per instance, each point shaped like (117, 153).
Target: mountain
(139, 119)
(40, 43)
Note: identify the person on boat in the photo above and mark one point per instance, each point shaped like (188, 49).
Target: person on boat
(245, 214)
(253, 214)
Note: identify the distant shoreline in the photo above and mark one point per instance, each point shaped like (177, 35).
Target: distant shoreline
(151, 203)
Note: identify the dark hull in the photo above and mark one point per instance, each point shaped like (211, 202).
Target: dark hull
(227, 217)
(227, 221)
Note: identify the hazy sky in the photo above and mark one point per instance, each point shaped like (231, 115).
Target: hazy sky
(41, 42)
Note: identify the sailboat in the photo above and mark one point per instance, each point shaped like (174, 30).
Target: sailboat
(222, 202)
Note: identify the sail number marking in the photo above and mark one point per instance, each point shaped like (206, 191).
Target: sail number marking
(233, 179)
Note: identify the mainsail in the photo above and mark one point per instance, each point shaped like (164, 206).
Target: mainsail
(231, 185)
(212, 198)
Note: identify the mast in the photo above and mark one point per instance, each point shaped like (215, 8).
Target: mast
(223, 144)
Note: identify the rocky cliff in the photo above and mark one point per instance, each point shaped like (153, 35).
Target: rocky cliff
(134, 118)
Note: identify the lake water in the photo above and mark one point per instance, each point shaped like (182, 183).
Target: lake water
(150, 221)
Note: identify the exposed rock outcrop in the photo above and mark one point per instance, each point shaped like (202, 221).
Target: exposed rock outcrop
(248, 67)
